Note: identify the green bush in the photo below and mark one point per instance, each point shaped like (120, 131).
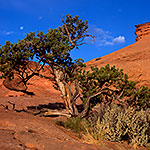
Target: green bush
(105, 85)
(124, 124)
(140, 98)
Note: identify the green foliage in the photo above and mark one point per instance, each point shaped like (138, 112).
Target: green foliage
(13, 59)
(77, 125)
(124, 124)
(111, 84)
(140, 98)
(54, 46)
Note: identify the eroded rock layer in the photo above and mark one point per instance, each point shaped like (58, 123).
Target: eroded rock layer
(142, 30)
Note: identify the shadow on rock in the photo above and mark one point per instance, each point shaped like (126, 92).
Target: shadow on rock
(53, 106)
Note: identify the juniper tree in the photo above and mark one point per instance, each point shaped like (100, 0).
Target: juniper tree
(52, 49)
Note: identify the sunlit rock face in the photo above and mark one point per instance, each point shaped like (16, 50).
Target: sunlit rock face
(142, 30)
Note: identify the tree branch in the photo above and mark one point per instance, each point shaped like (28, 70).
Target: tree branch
(73, 43)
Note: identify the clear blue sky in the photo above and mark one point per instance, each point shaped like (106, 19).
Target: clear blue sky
(111, 21)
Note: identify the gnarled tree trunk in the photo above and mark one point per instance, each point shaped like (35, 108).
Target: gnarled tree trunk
(68, 97)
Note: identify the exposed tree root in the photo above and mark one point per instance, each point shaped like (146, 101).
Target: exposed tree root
(57, 113)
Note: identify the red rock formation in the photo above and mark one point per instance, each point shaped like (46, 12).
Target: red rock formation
(142, 30)
(15, 84)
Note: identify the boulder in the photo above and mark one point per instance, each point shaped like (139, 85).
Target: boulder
(15, 84)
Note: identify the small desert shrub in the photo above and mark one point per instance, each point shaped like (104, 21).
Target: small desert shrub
(75, 124)
(124, 124)
(94, 134)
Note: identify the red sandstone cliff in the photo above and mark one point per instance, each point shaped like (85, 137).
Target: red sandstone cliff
(142, 30)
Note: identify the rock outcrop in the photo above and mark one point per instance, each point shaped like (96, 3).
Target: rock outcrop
(142, 30)
(15, 84)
